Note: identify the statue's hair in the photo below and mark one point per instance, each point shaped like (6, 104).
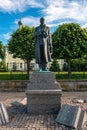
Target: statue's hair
(42, 18)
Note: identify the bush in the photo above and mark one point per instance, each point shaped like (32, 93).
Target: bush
(54, 66)
(79, 65)
(3, 67)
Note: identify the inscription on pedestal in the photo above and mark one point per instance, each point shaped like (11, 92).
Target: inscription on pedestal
(69, 116)
(43, 81)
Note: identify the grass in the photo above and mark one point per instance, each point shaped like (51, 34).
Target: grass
(75, 75)
(13, 76)
(59, 75)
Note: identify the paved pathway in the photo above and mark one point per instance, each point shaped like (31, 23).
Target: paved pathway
(25, 121)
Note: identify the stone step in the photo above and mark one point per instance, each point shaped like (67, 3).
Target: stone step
(4, 118)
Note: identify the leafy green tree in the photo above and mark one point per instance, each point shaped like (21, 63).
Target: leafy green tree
(54, 66)
(69, 42)
(79, 64)
(2, 54)
(21, 44)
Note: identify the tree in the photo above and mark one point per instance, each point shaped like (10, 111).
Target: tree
(21, 44)
(69, 42)
(3, 67)
(2, 54)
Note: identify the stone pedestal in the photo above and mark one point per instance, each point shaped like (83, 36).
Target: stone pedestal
(43, 94)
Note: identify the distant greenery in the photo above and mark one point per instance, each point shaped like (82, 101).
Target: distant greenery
(3, 67)
(2, 54)
(13, 76)
(76, 65)
(69, 42)
(59, 75)
(75, 75)
(21, 44)
(54, 66)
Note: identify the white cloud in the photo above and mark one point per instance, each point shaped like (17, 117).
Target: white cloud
(61, 9)
(84, 26)
(35, 3)
(18, 5)
(58, 11)
(30, 21)
(54, 11)
(6, 36)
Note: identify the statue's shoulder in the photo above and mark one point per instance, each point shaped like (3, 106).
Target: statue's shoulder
(48, 29)
(37, 28)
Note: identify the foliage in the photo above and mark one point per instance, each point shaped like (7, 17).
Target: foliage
(59, 75)
(69, 42)
(2, 54)
(79, 65)
(3, 67)
(21, 44)
(13, 76)
(54, 66)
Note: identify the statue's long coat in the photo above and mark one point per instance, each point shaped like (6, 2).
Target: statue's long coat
(44, 40)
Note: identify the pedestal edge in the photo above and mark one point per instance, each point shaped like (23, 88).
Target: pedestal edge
(43, 91)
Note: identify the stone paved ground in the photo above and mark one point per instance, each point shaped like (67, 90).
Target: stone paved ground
(22, 121)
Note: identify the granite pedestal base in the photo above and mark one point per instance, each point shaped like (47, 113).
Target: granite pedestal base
(43, 94)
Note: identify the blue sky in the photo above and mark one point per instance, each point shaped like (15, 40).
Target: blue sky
(55, 12)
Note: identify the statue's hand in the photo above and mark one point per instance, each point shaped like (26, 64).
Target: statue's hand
(51, 49)
(44, 34)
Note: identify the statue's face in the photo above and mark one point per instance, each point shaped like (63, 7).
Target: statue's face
(42, 20)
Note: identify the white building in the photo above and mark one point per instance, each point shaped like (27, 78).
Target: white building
(16, 63)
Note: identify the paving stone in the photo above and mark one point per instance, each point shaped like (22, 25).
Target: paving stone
(78, 101)
(4, 118)
(69, 116)
(85, 100)
(26, 121)
(23, 101)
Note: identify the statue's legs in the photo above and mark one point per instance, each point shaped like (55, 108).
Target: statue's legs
(43, 67)
(42, 64)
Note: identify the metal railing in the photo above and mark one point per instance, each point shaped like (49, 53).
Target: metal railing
(19, 71)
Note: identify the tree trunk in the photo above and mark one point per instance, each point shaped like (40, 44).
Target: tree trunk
(69, 68)
(28, 68)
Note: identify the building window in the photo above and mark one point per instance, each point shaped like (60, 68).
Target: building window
(14, 67)
(21, 65)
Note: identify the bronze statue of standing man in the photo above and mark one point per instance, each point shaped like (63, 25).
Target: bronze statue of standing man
(43, 45)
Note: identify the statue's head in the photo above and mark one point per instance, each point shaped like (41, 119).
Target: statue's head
(42, 20)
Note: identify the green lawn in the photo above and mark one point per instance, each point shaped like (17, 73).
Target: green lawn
(75, 75)
(13, 76)
(23, 75)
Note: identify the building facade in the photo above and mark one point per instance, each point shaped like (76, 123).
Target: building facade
(16, 64)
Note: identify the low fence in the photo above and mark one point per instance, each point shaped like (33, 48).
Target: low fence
(20, 85)
(18, 71)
